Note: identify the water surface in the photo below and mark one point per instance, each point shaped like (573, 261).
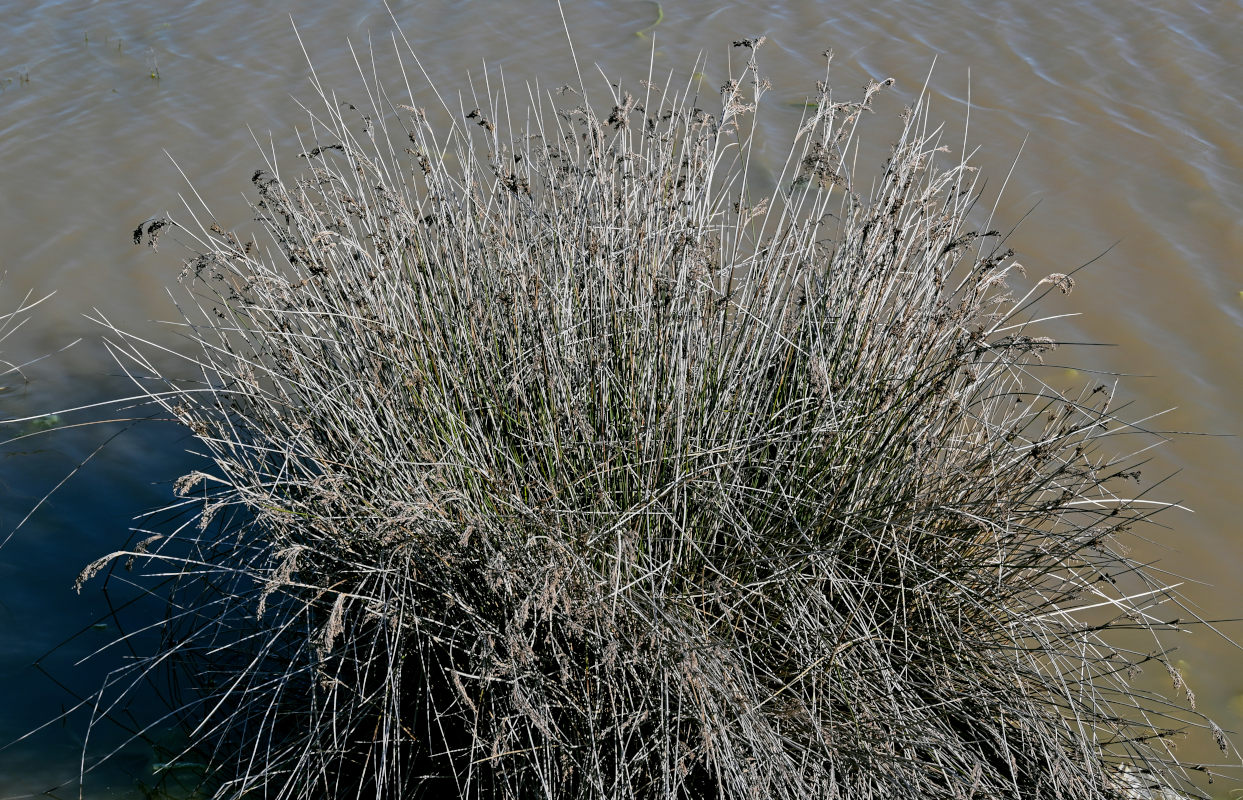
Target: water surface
(1126, 118)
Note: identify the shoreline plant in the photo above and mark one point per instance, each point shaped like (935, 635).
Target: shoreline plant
(550, 454)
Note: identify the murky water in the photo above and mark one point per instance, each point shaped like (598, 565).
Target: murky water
(1129, 114)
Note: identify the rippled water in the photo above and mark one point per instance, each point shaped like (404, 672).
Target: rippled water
(1127, 116)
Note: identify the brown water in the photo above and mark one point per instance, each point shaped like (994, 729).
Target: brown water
(1130, 112)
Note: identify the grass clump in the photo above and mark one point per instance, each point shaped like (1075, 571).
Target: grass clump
(564, 458)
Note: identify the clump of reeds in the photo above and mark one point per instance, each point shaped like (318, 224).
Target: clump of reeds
(556, 459)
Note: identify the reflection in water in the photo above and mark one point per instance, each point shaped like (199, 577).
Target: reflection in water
(1129, 121)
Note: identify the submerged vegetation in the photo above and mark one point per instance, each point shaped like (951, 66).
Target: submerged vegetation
(568, 459)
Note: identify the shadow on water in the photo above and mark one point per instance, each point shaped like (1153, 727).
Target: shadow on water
(70, 486)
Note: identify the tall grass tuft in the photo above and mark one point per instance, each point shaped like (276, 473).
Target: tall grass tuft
(552, 453)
